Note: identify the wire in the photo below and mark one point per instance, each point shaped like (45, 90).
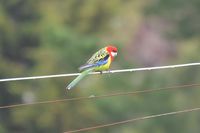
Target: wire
(102, 96)
(134, 120)
(105, 72)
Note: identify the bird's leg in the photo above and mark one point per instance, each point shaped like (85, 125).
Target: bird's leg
(100, 72)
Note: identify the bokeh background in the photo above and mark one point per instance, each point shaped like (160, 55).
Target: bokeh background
(42, 37)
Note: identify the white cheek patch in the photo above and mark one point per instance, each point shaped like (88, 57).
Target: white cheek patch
(114, 54)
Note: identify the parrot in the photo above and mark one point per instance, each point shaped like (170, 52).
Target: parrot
(100, 61)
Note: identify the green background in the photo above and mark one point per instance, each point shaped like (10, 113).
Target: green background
(42, 37)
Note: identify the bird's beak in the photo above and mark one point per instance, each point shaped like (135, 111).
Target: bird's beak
(114, 54)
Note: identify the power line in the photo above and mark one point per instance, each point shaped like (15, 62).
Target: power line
(102, 96)
(134, 120)
(112, 71)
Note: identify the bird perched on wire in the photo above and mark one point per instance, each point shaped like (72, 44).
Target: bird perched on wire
(100, 61)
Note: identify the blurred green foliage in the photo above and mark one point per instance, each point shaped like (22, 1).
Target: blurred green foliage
(57, 36)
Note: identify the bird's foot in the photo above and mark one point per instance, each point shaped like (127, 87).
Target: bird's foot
(100, 72)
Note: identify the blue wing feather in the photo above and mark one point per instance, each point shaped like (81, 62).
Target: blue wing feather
(99, 63)
(86, 66)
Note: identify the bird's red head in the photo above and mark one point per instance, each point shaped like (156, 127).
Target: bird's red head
(112, 50)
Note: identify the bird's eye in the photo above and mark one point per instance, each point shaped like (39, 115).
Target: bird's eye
(114, 50)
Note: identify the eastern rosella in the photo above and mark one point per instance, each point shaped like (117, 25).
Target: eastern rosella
(100, 61)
